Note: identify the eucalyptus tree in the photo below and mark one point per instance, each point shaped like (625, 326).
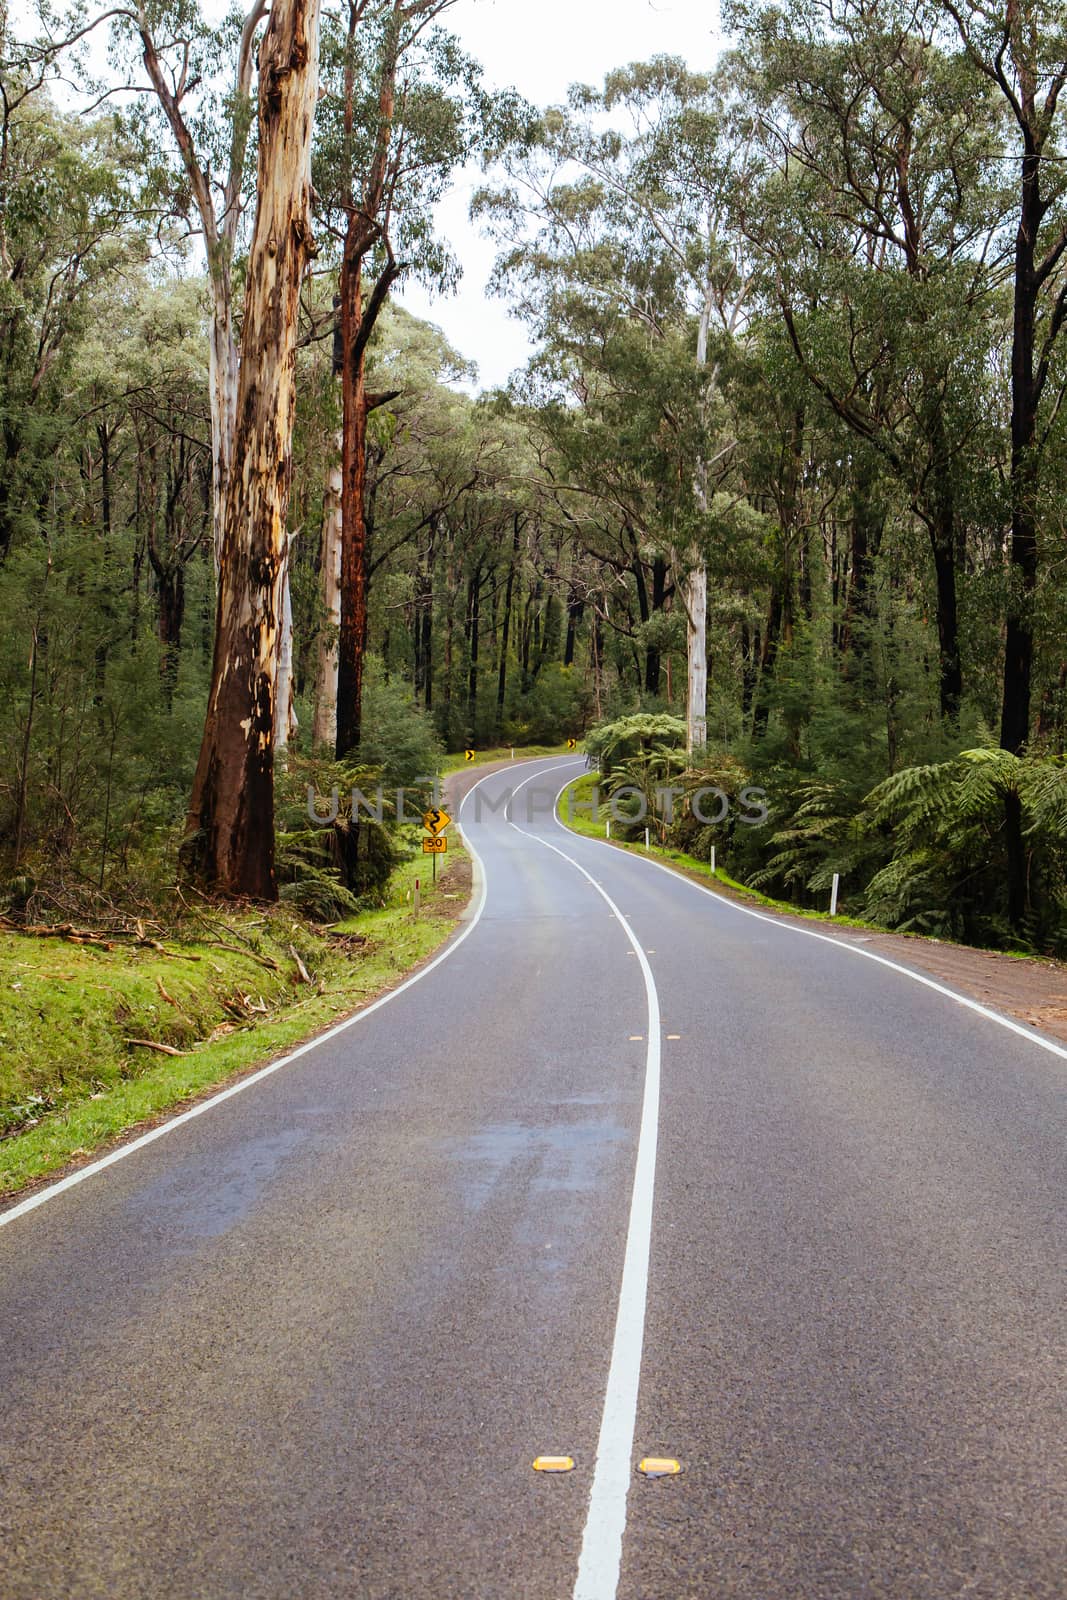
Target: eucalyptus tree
(404, 107)
(879, 218)
(230, 827)
(73, 196)
(1019, 49)
(195, 103)
(614, 220)
(142, 414)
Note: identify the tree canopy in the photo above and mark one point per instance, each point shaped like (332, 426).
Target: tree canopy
(785, 475)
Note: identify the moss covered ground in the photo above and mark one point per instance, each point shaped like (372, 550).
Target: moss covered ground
(87, 1032)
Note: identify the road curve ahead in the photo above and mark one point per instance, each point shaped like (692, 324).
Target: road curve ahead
(629, 1173)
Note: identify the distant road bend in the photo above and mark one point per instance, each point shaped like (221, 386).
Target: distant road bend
(628, 1172)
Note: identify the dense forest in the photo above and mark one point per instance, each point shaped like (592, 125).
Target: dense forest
(779, 501)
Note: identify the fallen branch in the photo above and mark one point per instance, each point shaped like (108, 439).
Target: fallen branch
(264, 961)
(150, 1044)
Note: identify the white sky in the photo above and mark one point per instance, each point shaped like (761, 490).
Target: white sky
(542, 47)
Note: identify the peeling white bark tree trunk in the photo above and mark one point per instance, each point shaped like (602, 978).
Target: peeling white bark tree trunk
(285, 723)
(324, 731)
(696, 611)
(223, 374)
(230, 830)
(695, 587)
(220, 230)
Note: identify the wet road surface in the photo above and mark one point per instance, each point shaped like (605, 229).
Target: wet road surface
(310, 1343)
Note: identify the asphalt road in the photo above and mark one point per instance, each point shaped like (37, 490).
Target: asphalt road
(309, 1343)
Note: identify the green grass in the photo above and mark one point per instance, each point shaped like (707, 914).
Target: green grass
(594, 827)
(69, 1079)
(583, 822)
(456, 763)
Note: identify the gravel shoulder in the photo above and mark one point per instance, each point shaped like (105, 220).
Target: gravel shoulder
(1032, 989)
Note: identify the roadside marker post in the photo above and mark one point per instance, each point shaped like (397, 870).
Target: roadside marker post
(713, 861)
(833, 894)
(418, 896)
(435, 822)
(646, 838)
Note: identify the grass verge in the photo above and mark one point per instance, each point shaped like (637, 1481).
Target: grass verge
(457, 762)
(86, 1032)
(592, 820)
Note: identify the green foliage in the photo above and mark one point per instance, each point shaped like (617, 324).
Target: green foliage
(554, 707)
(947, 872)
(774, 321)
(316, 891)
(654, 735)
(399, 741)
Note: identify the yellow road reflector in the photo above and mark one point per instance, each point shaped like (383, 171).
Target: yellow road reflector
(635, 1038)
(554, 1464)
(659, 1467)
(674, 1036)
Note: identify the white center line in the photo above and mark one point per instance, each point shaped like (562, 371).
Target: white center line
(601, 1556)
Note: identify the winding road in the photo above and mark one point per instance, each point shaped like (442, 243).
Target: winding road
(627, 1171)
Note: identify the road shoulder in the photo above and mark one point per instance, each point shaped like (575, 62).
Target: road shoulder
(1029, 989)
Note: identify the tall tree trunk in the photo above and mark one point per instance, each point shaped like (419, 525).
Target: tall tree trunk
(695, 596)
(474, 613)
(223, 376)
(866, 525)
(367, 225)
(285, 723)
(171, 582)
(768, 660)
(749, 667)
(950, 671)
(424, 618)
(1019, 635)
(653, 660)
(450, 628)
(575, 612)
(695, 589)
(324, 729)
(505, 633)
(353, 514)
(220, 234)
(940, 519)
(596, 656)
(230, 832)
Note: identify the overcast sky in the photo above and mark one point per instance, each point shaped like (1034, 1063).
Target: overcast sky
(542, 47)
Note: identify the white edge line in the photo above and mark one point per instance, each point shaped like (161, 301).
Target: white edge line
(601, 1554)
(172, 1123)
(825, 938)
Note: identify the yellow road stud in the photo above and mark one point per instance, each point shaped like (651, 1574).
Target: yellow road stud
(659, 1467)
(554, 1464)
